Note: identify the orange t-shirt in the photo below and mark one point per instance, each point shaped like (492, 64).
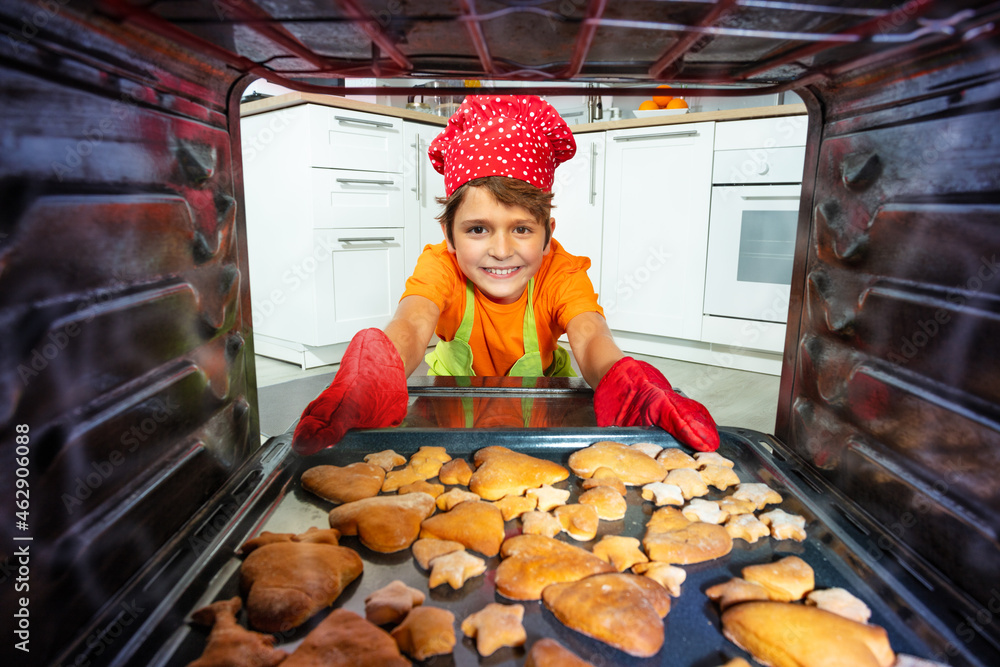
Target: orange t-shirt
(562, 291)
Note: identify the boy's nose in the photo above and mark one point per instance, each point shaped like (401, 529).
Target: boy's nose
(500, 248)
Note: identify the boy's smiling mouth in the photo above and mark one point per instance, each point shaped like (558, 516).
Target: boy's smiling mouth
(501, 272)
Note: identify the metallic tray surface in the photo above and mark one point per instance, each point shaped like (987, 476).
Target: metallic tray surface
(693, 633)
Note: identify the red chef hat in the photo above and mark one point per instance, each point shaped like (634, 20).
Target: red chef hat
(520, 136)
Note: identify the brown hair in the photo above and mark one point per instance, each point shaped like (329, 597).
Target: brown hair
(507, 191)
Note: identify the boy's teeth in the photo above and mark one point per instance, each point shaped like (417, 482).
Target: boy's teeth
(501, 272)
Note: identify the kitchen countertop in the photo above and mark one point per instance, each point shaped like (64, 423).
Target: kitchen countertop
(296, 98)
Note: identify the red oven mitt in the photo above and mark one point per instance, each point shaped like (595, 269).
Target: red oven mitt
(633, 393)
(369, 391)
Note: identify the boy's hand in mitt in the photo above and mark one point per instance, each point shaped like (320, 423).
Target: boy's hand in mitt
(369, 391)
(633, 393)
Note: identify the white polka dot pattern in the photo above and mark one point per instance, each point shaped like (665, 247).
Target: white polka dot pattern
(484, 131)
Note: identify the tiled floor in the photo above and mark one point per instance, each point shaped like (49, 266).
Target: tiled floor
(735, 398)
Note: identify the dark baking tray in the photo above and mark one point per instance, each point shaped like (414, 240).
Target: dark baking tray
(273, 500)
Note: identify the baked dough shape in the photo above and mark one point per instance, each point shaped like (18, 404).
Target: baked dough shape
(391, 603)
(669, 576)
(421, 486)
(395, 479)
(512, 507)
(344, 639)
(548, 497)
(476, 524)
(737, 505)
(386, 459)
(622, 552)
(704, 510)
(456, 471)
(229, 643)
(666, 519)
(650, 449)
(841, 602)
(537, 522)
(604, 477)
(532, 562)
(502, 472)
(746, 527)
(496, 626)
(319, 536)
(712, 459)
(720, 477)
(343, 484)
(610, 505)
(690, 481)
(548, 652)
(447, 501)
(695, 542)
(427, 461)
(735, 591)
(287, 582)
(455, 569)
(785, 634)
(630, 465)
(426, 631)
(266, 537)
(622, 610)
(384, 523)
(427, 549)
(672, 459)
(758, 493)
(661, 493)
(785, 580)
(579, 521)
(785, 526)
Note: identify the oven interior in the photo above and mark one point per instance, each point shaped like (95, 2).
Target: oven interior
(127, 354)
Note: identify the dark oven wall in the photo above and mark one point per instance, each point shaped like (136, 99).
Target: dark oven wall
(125, 361)
(892, 379)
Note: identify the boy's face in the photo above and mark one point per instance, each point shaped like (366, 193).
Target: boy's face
(498, 248)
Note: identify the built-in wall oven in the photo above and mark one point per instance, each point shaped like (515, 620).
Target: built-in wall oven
(757, 181)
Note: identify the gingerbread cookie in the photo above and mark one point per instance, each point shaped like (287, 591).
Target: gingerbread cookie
(342, 484)
(501, 472)
(632, 467)
(496, 626)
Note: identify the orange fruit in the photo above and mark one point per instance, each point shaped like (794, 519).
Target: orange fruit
(662, 100)
(677, 103)
(648, 105)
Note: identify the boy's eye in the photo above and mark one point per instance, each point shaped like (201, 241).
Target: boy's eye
(523, 230)
(478, 229)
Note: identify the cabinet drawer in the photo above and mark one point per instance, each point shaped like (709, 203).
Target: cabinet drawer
(356, 199)
(344, 139)
(761, 133)
(361, 283)
(759, 165)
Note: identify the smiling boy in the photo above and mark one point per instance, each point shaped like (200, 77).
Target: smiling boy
(499, 292)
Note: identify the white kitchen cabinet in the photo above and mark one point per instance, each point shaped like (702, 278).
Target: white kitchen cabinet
(422, 185)
(325, 227)
(360, 284)
(347, 139)
(658, 184)
(579, 202)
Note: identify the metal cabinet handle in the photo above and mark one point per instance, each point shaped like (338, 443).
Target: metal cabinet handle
(366, 181)
(669, 135)
(416, 145)
(367, 240)
(362, 121)
(593, 172)
(771, 197)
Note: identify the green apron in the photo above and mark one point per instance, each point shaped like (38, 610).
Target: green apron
(454, 357)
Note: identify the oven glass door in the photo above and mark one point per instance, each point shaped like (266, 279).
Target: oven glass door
(751, 245)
